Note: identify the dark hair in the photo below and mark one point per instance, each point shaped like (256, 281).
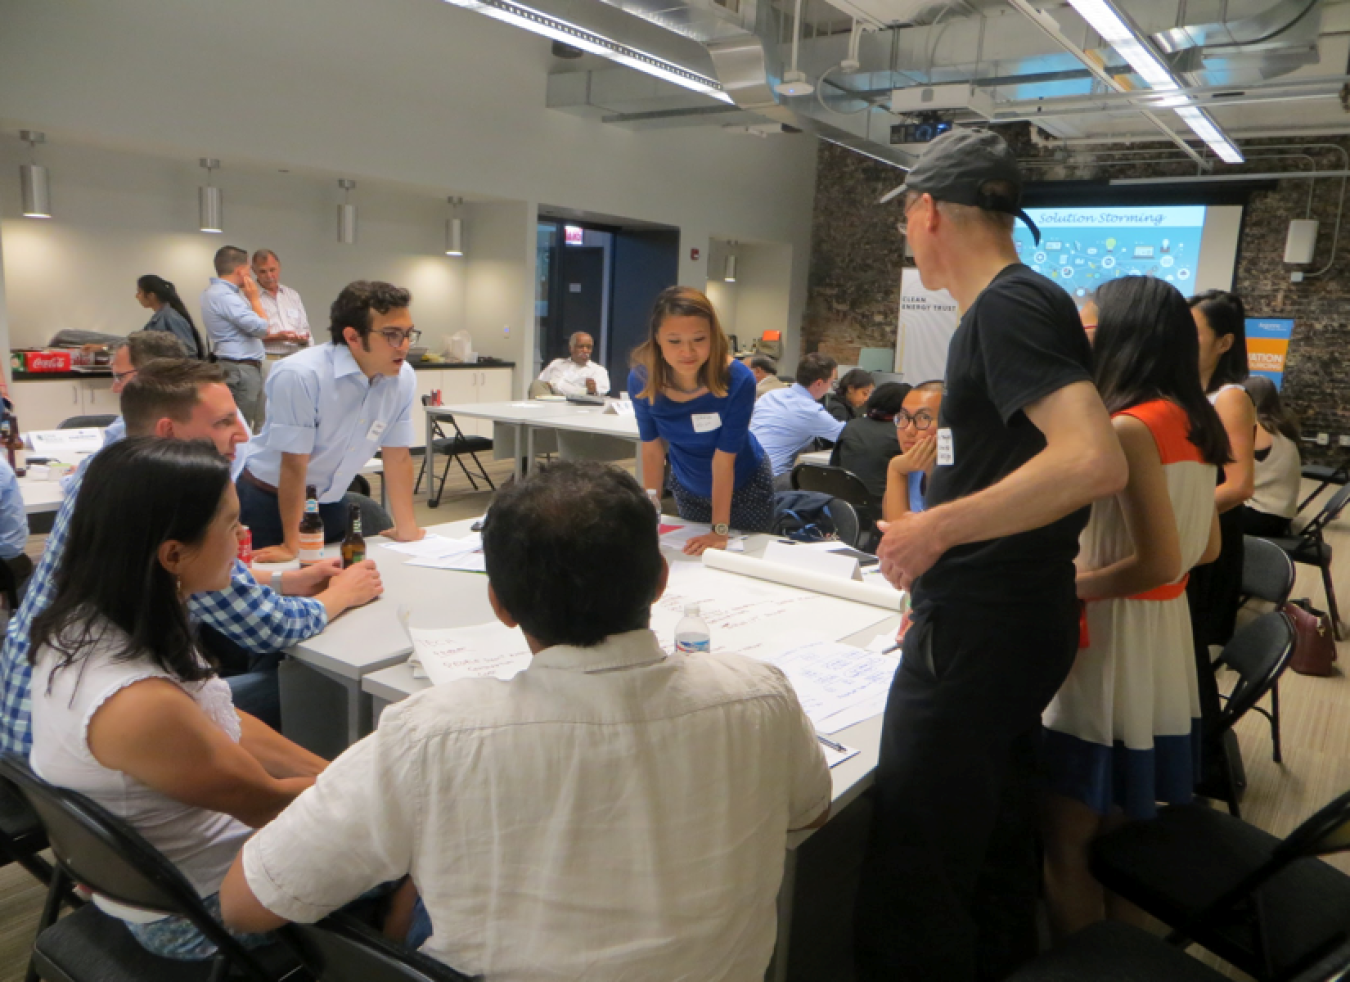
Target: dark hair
(1146, 348)
(138, 494)
(165, 292)
(1226, 315)
(886, 400)
(354, 304)
(144, 347)
(815, 367)
(572, 553)
(855, 378)
(228, 259)
(165, 387)
(764, 363)
(683, 301)
(1271, 412)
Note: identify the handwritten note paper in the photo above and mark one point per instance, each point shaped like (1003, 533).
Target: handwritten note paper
(481, 651)
(830, 678)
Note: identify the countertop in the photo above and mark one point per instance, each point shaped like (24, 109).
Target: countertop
(106, 373)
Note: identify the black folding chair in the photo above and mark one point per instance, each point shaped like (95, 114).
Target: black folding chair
(846, 487)
(1326, 476)
(1310, 548)
(1259, 653)
(84, 422)
(95, 848)
(1267, 575)
(1269, 906)
(342, 949)
(454, 447)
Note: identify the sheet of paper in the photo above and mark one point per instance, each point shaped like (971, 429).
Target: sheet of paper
(883, 644)
(856, 713)
(430, 545)
(816, 560)
(830, 677)
(833, 757)
(468, 562)
(755, 617)
(481, 651)
(675, 536)
(70, 446)
(438, 552)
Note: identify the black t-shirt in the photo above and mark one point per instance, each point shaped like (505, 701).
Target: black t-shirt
(1020, 341)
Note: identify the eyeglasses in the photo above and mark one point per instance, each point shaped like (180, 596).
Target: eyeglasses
(123, 376)
(921, 420)
(902, 226)
(397, 338)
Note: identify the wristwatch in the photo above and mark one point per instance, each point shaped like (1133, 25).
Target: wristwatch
(721, 528)
(276, 581)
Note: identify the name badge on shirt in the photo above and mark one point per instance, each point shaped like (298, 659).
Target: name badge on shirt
(706, 422)
(376, 428)
(946, 448)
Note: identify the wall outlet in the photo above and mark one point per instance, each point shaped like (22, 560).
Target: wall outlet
(1345, 440)
(1323, 439)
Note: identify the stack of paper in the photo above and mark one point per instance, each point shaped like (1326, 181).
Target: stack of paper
(481, 651)
(439, 552)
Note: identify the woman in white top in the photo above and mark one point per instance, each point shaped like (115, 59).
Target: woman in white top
(1279, 469)
(125, 708)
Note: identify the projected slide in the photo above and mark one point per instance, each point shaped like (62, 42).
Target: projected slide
(1081, 248)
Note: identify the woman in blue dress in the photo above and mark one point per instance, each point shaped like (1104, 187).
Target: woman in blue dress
(693, 403)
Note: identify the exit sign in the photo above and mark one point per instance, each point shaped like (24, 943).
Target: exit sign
(574, 235)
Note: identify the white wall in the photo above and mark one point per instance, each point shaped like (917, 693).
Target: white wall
(416, 93)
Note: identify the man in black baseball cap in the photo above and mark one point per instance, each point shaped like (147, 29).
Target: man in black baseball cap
(1024, 445)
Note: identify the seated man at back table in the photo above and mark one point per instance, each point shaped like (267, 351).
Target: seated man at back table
(916, 429)
(576, 375)
(787, 420)
(590, 818)
(765, 370)
(187, 400)
(329, 409)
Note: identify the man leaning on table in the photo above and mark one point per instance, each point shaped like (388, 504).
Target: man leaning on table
(329, 409)
(235, 321)
(590, 818)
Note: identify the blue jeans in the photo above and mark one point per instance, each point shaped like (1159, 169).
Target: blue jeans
(420, 929)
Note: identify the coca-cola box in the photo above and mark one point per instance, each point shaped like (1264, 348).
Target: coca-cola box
(47, 360)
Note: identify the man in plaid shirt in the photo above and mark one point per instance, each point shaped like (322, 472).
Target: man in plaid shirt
(185, 400)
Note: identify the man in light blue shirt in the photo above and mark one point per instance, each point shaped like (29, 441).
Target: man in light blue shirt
(787, 420)
(13, 526)
(329, 409)
(236, 322)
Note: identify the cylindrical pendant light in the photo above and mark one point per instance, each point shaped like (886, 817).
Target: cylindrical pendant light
(346, 214)
(729, 267)
(210, 207)
(33, 180)
(454, 229)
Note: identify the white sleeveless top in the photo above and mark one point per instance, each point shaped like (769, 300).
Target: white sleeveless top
(1278, 478)
(200, 842)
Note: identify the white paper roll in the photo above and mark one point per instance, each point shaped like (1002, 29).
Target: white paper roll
(834, 586)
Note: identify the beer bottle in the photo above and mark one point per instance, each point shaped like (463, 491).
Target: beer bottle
(311, 529)
(14, 447)
(354, 545)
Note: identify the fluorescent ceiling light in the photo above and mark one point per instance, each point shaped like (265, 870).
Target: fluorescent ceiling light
(530, 19)
(1111, 24)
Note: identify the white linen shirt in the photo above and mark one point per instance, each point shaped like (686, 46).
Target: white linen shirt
(609, 813)
(320, 403)
(285, 313)
(569, 378)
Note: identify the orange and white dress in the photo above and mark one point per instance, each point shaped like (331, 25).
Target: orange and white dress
(1124, 730)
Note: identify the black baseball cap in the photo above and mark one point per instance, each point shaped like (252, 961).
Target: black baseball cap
(958, 163)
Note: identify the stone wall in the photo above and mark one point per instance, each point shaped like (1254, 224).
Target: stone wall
(854, 287)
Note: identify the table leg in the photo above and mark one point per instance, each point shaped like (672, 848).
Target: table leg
(529, 445)
(521, 430)
(429, 462)
(637, 457)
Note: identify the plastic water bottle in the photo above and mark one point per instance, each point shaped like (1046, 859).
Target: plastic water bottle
(692, 634)
(655, 498)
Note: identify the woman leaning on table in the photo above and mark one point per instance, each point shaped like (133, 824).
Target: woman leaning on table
(693, 403)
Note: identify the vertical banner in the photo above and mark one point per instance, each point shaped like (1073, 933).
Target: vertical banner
(1267, 346)
(928, 318)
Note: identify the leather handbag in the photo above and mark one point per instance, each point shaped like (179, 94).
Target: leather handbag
(1314, 644)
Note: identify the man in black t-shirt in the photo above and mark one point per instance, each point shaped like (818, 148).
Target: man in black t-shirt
(1024, 446)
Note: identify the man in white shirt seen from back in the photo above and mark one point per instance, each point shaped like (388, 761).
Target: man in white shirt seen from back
(577, 375)
(612, 812)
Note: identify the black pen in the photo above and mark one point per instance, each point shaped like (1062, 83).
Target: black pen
(838, 747)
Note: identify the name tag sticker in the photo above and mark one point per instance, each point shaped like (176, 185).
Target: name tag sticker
(376, 429)
(706, 422)
(946, 448)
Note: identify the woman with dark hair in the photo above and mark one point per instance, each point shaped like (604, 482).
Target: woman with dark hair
(125, 707)
(1122, 733)
(1279, 467)
(1220, 323)
(158, 294)
(867, 444)
(693, 401)
(850, 394)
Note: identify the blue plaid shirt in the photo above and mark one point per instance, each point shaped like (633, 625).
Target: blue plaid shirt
(248, 613)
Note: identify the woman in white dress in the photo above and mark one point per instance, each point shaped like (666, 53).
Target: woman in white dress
(1123, 732)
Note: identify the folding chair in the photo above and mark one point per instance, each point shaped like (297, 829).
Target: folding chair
(1269, 906)
(846, 487)
(342, 949)
(454, 447)
(1268, 575)
(85, 422)
(1327, 476)
(1310, 548)
(95, 848)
